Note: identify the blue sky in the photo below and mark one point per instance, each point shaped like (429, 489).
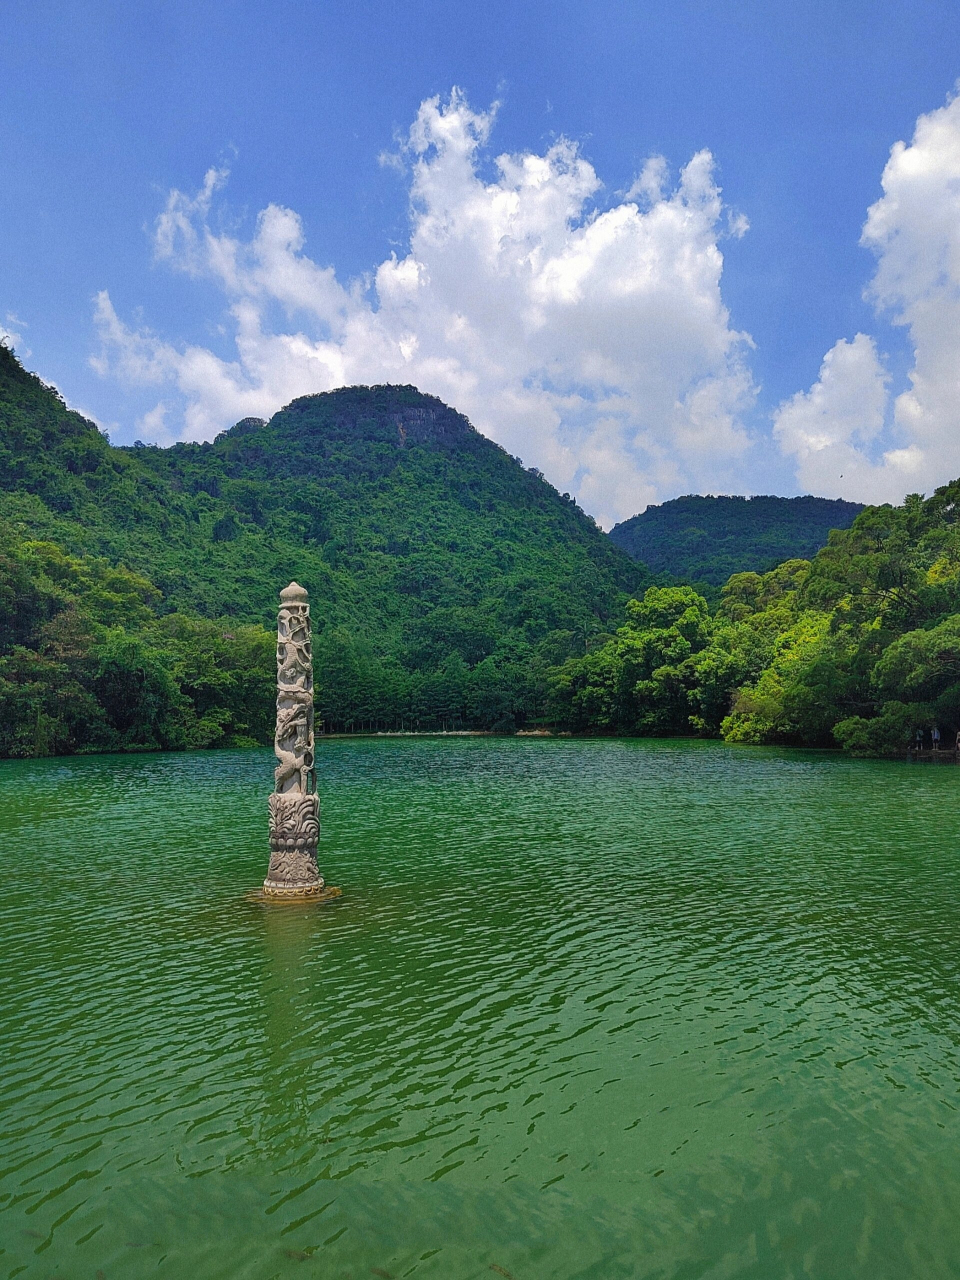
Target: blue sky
(635, 382)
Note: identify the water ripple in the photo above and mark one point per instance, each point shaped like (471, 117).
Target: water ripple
(585, 1009)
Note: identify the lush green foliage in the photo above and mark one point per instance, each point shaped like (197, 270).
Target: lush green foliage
(445, 579)
(86, 663)
(860, 646)
(705, 539)
(450, 587)
(671, 669)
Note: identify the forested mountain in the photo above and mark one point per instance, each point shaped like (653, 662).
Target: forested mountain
(445, 579)
(860, 646)
(706, 539)
(449, 586)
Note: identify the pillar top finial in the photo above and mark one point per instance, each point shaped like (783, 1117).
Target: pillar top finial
(294, 594)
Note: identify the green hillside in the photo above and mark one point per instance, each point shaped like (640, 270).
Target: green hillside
(706, 539)
(450, 587)
(859, 647)
(445, 579)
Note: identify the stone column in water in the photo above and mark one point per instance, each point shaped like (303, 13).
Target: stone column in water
(294, 805)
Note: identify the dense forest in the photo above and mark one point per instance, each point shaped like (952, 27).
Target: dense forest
(450, 587)
(703, 540)
(138, 586)
(858, 647)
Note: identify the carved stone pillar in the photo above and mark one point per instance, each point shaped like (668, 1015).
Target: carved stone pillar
(294, 805)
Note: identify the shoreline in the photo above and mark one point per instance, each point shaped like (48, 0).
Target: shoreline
(452, 733)
(906, 756)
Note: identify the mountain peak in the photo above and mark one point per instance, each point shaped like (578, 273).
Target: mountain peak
(401, 415)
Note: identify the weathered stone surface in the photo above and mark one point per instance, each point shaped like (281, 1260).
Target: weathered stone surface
(294, 805)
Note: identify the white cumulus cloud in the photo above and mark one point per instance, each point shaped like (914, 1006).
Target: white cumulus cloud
(845, 425)
(152, 427)
(592, 341)
(10, 334)
(830, 428)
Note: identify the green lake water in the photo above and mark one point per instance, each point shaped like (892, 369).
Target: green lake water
(585, 1009)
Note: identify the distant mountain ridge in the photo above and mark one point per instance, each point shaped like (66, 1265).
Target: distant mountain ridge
(705, 539)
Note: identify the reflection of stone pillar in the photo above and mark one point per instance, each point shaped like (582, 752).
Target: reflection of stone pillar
(294, 805)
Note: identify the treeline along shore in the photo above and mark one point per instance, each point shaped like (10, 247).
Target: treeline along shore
(451, 589)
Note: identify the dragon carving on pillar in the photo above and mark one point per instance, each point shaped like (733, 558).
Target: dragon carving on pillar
(294, 804)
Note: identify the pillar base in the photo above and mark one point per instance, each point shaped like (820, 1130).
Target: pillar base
(297, 893)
